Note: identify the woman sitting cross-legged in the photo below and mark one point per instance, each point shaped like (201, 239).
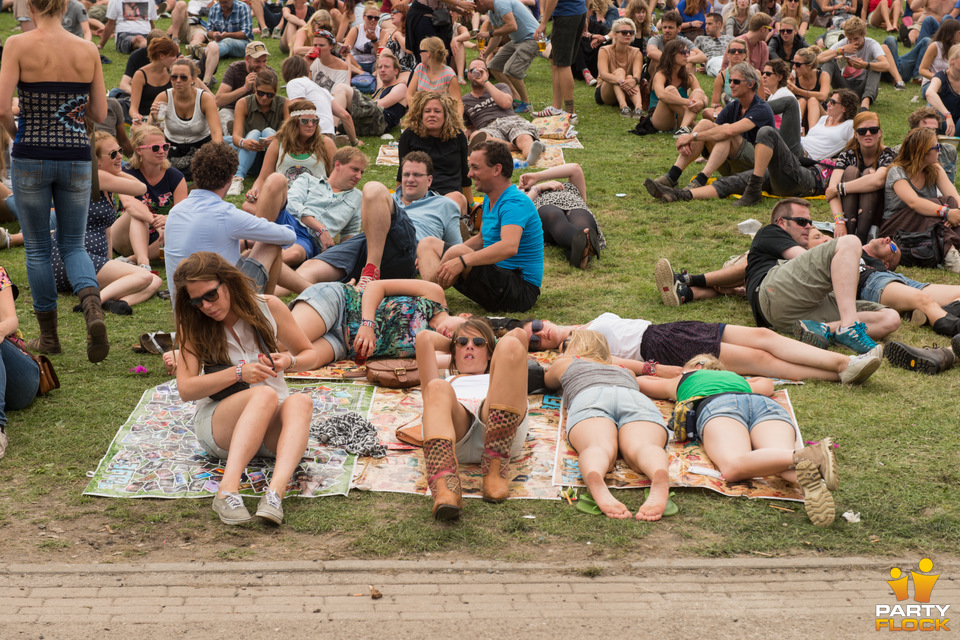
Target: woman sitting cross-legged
(478, 415)
(222, 324)
(748, 434)
(606, 416)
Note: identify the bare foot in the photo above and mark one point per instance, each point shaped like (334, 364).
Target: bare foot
(656, 502)
(611, 507)
(586, 252)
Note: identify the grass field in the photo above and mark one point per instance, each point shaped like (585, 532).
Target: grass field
(897, 434)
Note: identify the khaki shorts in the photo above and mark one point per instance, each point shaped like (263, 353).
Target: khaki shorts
(802, 289)
(187, 31)
(514, 59)
(742, 160)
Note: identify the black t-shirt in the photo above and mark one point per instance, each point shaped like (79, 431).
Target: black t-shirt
(765, 253)
(868, 265)
(449, 159)
(137, 60)
(759, 113)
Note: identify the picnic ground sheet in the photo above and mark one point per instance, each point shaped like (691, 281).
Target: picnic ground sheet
(155, 453)
(552, 156)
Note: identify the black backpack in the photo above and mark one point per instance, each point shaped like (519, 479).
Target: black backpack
(921, 248)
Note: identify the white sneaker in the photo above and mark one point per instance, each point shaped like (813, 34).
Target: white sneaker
(535, 150)
(236, 186)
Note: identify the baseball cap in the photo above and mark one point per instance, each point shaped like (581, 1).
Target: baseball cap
(256, 49)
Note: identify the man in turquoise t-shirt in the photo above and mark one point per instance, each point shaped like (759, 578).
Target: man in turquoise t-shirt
(501, 268)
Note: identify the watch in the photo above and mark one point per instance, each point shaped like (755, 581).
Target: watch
(695, 134)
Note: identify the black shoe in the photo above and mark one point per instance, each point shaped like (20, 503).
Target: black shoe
(929, 361)
(117, 307)
(593, 239)
(578, 246)
(955, 344)
(105, 60)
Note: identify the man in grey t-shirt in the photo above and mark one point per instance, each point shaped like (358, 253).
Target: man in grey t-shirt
(76, 21)
(864, 62)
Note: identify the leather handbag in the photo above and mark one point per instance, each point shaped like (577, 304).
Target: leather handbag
(394, 373)
(48, 377)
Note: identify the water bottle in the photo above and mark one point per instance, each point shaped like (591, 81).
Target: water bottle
(520, 164)
(161, 116)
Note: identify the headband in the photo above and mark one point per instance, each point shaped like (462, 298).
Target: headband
(303, 112)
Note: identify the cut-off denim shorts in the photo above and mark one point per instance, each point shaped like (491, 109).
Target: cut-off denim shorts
(618, 404)
(749, 409)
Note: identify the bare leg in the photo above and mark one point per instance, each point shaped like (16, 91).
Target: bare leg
(122, 281)
(375, 212)
(727, 442)
(287, 438)
(314, 328)
(240, 422)
(595, 441)
(429, 252)
(213, 59)
(443, 415)
(641, 445)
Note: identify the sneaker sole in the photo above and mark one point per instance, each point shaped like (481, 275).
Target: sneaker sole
(817, 500)
(232, 521)
(900, 356)
(270, 516)
(806, 336)
(663, 276)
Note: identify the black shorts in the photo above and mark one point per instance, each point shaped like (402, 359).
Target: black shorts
(399, 251)
(565, 39)
(497, 289)
(674, 343)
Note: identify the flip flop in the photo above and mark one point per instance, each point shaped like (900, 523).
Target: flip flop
(586, 504)
(671, 509)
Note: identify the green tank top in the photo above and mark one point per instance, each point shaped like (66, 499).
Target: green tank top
(707, 382)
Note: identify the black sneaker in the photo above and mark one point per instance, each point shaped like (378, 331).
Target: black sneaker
(929, 361)
(673, 291)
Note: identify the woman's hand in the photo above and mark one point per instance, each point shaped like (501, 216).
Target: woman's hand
(550, 185)
(253, 194)
(256, 372)
(840, 229)
(953, 218)
(281, 361)
(365, 342)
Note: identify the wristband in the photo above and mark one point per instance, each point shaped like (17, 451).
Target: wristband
(240, 372)
(943, 212)
(463, 262)
(649, 368)
(839, 219)
(947, 116)
(293, 363)
(368, 323)
(841, 190)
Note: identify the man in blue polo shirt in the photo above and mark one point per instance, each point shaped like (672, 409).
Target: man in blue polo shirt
(728, 141)
(500, 269)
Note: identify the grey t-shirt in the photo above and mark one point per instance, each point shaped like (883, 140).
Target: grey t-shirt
(893, 202)
(712, 47)
(75, 14)
(114, 117)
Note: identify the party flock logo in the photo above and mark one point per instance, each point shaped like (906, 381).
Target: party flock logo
(921, 616)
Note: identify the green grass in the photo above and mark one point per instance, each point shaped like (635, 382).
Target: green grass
(897, 434)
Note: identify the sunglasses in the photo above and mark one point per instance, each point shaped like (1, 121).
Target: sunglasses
(265, 94)
(463, 341)
(803, 222)
(535, 327)
(767, 74)
(735, 81)
(738, 52)
(626, 32)
(862, 131)
(371, 17)
(156, 148)
(179, 76)
(893, 247)
(210, 296)
(832, 102)
(308, 121)
(113, 154)
(797, 63)
(786, 32)
(685, 52)
(935, 147)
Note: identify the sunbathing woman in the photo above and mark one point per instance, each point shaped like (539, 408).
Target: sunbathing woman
(476, 416)
(607, 416)
(221, 321)
(399, 309)
(744, 350)
(732, 404)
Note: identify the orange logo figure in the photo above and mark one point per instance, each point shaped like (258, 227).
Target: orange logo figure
(922, 584)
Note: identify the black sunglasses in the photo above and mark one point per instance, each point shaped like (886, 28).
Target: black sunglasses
(767, 74)
(177, 76)
(737, 51)
(371, 17)
(625, 32)
(735, 81)
(798, 63)
(803, 222)
(536, 327)
(832, 102)
(210, 296)
(265, 94)
(113, 154)
(156, 148)
(786, 32)
(862, 131)
(463, 341)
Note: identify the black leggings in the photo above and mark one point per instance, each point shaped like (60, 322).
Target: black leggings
(862, 210)
(559, 226)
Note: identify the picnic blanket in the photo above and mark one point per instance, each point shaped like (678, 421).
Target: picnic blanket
(552, 156)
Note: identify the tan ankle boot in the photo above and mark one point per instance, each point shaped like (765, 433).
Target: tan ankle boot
(502, 423)
(443, 478)
(49, 341)
(97, 345)
(822, 455)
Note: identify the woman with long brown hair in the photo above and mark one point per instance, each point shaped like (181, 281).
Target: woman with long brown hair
(676, 97)
(152, 79)
(233, 366)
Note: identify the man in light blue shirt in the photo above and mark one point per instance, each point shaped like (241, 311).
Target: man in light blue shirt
(510, 63)
(205, 222)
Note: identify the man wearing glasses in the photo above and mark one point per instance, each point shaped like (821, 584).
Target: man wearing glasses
(240, 80)
(813, 293)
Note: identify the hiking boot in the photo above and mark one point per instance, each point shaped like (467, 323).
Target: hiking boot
(817, 500)
(810, 332)
(823, 455)
(855, 338)
(696, 183)
(859, 368)
(230, 509)
(753, 194)
(653, 186)
(930, 361)
(947, 326)
(672, 291)
(270, 507)
(97, 345)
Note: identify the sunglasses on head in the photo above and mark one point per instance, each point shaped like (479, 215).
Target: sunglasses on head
(803, 222)
(265, 94)
(156, 148)
(738, 52)
(862, 131)
(463, 341)
(179, 76)
(210, 296)
(309, 121)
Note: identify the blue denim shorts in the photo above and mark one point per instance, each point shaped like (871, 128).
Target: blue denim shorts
(878, 281)
(618, 404)
(749, 409)
(232, 48)
(327, 299)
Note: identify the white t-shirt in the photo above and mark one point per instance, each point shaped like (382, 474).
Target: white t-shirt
(471, 390)
(307, 89)
(132, 16)
(624, 336)
(869, 52)
(825, 142)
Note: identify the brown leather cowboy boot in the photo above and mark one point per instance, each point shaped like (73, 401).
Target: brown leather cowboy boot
(502, 423)
(443, 478)
(97, 345)
(49, 341)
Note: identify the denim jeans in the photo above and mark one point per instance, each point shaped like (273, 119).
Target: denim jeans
(909, 64)
(19, 379)
(247, 157)
(67, 184)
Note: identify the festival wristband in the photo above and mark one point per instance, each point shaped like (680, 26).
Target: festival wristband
(240, 372)
(463, 262)
(368, 323)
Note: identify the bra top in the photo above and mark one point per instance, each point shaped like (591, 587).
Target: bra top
(51, 124)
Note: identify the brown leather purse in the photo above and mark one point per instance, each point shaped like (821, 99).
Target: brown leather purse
(48, 377)
(394, 373)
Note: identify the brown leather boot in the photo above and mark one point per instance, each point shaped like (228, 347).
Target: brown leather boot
(97, 345)
(49, 341)
(443, 478)
(502, 423)
(929, 361)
